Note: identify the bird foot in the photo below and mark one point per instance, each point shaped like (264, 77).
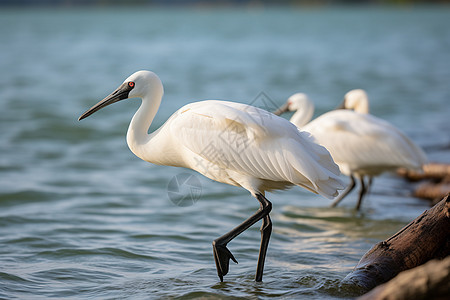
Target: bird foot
(222, 258)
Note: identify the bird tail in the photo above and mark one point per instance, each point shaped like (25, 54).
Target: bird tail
(313, 167)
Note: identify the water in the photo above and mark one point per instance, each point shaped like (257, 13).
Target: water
(82, 217)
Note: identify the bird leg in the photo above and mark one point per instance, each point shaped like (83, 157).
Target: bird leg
(222, 258)
(369, 184)
(221, 253)
(362, 192)
(350, 187)
(266, 230)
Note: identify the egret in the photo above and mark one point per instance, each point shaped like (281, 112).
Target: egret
(361, 144)
(228, 142)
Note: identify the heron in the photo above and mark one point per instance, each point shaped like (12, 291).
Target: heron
(361, 144)
(228, 142)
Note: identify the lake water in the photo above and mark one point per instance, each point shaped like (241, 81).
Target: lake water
(82, 217)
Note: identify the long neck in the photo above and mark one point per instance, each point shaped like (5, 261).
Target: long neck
(302, 116)
(138, 135)
(363, 106)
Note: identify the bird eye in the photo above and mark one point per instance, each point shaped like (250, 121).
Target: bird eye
(131, 84)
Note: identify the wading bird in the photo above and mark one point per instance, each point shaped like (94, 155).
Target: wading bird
(361, 144)
(231, 143)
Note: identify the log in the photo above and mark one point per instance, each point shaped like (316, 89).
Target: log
(436, 171)
(429, 281)
(425, 238)
(436, 177)
(433, 191)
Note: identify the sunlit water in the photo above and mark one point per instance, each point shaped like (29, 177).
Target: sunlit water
(82, 217)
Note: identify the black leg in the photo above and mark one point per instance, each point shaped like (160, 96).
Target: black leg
(221, 253)
(266, 230)
(369, 184)
(350, 187)
(362, 192)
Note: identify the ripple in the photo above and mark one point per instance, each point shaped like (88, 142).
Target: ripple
(74, 275)
(34, 242)
(13, 278)
(26, 196)
(12, 220)
(117, 253)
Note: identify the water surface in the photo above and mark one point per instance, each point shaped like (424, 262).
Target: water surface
(82, 217)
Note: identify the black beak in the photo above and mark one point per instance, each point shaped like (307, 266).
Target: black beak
(120, 93)
(282, 109)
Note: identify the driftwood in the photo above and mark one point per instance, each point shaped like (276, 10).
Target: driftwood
(430, 171)
(429, 281)
(432, 190)
(436, 181)
(425, 238)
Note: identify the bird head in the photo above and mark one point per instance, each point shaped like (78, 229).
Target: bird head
(137, 85)
(294, 103)
(356, 100)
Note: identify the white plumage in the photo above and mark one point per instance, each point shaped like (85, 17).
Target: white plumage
(360, 143)
(231, 143)
(245, 146)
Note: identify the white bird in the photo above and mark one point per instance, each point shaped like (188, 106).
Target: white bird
(361, 144)
(228, 142)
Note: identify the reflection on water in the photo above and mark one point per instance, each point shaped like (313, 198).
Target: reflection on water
(81, 217)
